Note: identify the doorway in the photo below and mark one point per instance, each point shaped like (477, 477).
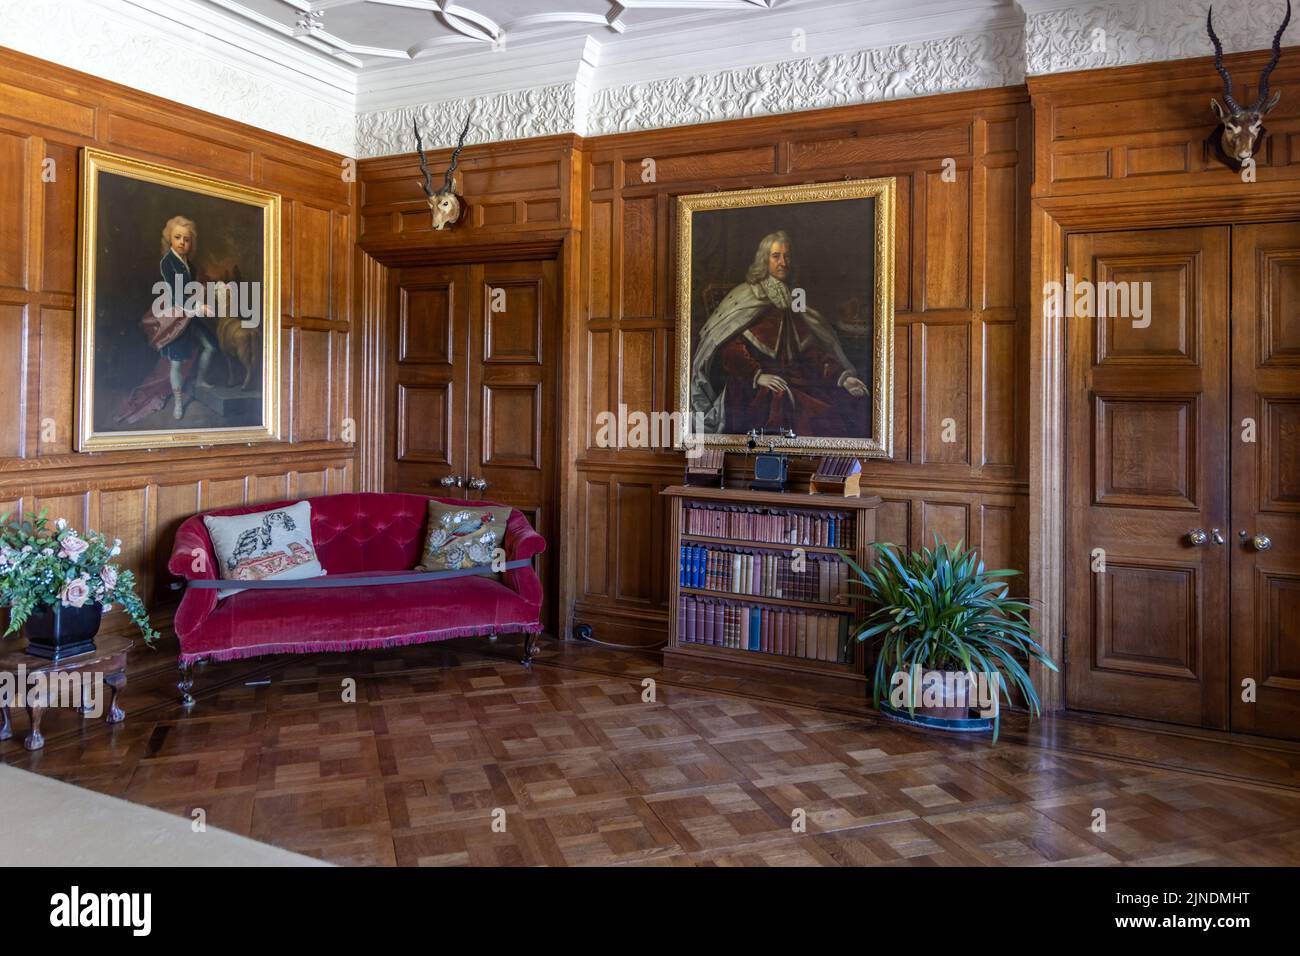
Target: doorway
(471, 386)
(1182, 465)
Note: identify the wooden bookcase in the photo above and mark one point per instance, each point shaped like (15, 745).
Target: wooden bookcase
(828, 676)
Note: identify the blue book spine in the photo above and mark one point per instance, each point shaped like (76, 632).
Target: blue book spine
(699, 568)
(755, 621)
(835, 542)
(681, 566)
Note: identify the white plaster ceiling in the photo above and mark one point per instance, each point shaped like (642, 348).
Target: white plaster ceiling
(368, 33)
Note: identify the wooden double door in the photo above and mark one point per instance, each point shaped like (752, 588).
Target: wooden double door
(1182, 598)
(471, 384)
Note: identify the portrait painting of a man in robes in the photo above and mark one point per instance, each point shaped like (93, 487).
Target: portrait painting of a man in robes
(786, 314)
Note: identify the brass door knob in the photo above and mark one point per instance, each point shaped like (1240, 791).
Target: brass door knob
(452, 481)
(1197, 537)
(1261, 542)
(478, 484)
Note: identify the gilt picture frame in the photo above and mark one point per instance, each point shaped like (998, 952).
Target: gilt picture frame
(785, 315)
(178, 308)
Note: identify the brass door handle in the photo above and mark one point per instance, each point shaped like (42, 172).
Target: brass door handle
(1197, 537)
(478, 484)
(452, 481)
(1261, 542)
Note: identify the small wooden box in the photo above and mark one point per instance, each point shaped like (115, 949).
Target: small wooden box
(838, 475)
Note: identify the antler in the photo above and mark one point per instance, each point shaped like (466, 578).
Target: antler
(424, 164)
(1228, 101)
(447, 180)
(1277, 54)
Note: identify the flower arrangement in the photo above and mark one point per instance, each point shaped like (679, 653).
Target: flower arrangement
(44, 565)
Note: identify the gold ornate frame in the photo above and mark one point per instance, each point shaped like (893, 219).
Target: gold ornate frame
(881, 444)
(94, 162)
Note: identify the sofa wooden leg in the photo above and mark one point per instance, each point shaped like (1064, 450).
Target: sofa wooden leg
(186, 683)
(530, 648)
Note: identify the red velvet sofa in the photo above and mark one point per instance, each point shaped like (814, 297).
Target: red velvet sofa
(355, 535)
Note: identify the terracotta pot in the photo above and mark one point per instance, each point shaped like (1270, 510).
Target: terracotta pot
(57, 632)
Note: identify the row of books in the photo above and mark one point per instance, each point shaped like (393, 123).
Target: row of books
(809, 577)
(826, 529)
(791, 632)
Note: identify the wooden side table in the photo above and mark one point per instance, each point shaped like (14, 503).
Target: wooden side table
(108, 658)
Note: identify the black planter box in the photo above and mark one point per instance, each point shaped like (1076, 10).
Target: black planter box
(59, 632)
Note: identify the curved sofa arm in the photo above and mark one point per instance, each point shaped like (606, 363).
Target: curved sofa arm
(522, 542)
(193, 547)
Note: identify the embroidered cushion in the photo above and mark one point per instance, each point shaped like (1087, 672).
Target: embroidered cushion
(462, 536)
(264, 544)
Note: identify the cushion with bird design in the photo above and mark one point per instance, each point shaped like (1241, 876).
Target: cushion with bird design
(264, 544)
(463, 535)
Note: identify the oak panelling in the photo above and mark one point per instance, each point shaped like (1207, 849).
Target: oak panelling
(49, 112)
(13, 336)
(1145, 127)
(57, 371)
(27, 105)
(500, 182)
(156, 137)
(14, 210)
(961, 324)
(59, 259)
(312, 237)
(945, 394)
(947, 241)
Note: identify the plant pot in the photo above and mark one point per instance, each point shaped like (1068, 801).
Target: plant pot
(945, 692)
(57, 632)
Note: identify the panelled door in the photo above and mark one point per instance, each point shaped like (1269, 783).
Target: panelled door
(1265, 427)
(472, 382)
(1147, 525)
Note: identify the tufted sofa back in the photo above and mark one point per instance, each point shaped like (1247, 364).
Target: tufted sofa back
(363, 531)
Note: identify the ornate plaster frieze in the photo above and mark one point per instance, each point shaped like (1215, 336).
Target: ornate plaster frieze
(976, 61)
(543, 111)
(1091, 36)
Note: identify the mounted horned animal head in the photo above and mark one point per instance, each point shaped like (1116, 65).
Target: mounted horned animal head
(1243, 125)
(444, 204)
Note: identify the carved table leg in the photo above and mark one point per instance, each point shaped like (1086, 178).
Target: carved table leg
(116, 684)
(6, 728)
(34, 740)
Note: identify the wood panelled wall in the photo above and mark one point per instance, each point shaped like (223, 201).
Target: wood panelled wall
(1127, 149)
(961, 326)
(50, 112)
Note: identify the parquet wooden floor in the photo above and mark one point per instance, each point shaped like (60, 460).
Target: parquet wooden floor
(576, 768)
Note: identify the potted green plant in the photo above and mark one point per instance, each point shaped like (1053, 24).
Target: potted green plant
(57, 584)
(942, 624)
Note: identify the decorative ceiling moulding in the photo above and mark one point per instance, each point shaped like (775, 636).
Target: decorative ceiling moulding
(1063, 36)
(134, 45)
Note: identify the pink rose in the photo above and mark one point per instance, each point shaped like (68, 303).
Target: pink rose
(109, 577)
(76, 592)
(72, 547)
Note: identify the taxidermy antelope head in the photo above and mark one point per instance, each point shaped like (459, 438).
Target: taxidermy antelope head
(1243, 125)
(444, 204)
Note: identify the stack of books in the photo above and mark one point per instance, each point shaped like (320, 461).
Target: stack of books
(809, 577)
(790, 632)
(826, 529)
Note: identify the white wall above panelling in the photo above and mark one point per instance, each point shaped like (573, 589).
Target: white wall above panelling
(352, 75)
(229, 69)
